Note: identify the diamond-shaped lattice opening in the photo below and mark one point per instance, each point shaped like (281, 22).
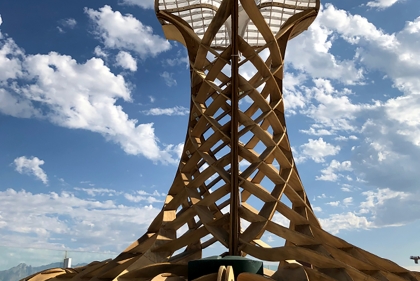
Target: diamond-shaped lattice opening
(269, 129)
(261, 87)
(244, 224)
(247, 70)
(219, 112)
(244, 103)
(206, 238)
(208, 101)
(217, 82)
(214, 183)
(267, 184)
(276, 164)
(253, 174)
(280, 219)
(245, 137)
(285, 200)
(243, 165)
(179, 251)
(255, 202)
(182, 230)
(226, 70)
(272, 239)
(217, 146)
(223, 204)
(223, 121)
(260, 147)
(256, 114)
(208, 132)
(203, 167)
(225, 150)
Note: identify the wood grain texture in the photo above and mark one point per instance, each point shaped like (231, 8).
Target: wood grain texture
(270, 186)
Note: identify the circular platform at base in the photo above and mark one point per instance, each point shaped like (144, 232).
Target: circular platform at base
(198, 268)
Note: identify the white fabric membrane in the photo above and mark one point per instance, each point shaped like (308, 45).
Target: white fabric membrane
(199, 13)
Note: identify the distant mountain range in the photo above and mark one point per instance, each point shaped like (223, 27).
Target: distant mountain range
(22, 270)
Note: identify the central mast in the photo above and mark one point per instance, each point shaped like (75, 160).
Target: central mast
(234, 138)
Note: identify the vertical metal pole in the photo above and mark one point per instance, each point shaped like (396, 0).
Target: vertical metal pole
(234, 138)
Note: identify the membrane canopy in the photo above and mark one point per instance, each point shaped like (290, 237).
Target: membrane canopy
(199, 13)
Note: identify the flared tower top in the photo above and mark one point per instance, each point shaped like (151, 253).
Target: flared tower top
(199, 13)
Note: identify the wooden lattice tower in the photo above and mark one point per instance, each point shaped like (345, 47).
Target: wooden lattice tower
(222, 136)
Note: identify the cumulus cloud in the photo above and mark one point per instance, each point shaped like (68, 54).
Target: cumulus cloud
(177, 110)
(124, 32)
(318, 149)
(391, 208)
(99, 52)
(329, 173)
(57, 219)
(169, 80)
(98, 191)
(31, 166)
(126, 61)
(66, 23)
(320, 63)
(10, 58)
(381, 4)
(332, 109)
(344, 221)
(399, 48)
(146, 4)
(76, 96)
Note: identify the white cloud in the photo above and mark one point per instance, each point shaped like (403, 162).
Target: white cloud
(387, 158)
(294, 99)
(76, 96)
(333, 203)
(318, 149)
(316, 132)
(62, 220)
(66, 23)
(329, 173)
(348, 201)
(179, 60)
(126, 61)
(146, 4)
(381, 4)
(99, 52)
(320, 63)
(10, 59)
(98, 191)
(402, 63)
(70, 22)
(391, 208)
(169, 80)
(345, 221)
(332, 109)
(83, 96)
(281, 220)
(317, 209)
(177, 110)
(140, 198)
(31, 166)
(16, 106)
(125, 32)
(381, 208)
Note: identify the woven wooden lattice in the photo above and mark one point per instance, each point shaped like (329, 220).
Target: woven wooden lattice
(196, 213)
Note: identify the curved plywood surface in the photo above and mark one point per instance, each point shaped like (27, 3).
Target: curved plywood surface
(270, 186)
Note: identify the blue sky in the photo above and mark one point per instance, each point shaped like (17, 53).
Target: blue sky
(94, 107)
